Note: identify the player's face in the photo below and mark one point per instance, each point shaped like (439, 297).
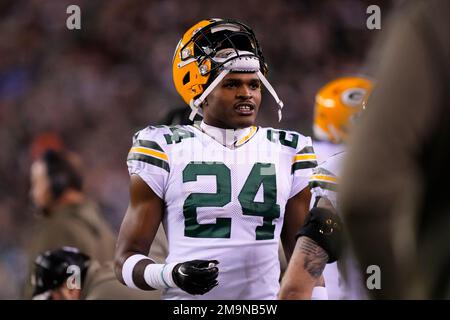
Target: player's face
(235, 102)
(40, 185)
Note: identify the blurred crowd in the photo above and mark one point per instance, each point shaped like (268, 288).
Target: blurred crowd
(96, 86)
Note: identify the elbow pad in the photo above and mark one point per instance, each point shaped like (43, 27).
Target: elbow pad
(325, 228)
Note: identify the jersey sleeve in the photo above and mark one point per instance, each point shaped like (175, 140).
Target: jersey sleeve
(303, 162)
(148, 159)
(324, 180)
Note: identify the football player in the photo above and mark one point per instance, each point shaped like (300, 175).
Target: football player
(225, 189)
(320, 239)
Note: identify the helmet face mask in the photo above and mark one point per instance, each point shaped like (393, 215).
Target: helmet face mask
(222, 35)
(208, 51)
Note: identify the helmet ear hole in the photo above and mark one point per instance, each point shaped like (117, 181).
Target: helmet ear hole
(187, 78)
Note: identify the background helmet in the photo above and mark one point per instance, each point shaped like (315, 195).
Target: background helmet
(50, 268)
(337, 104)
(208, 51)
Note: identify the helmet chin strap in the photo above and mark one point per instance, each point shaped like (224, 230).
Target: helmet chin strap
(272, 92)
(240, 63)
(195, 105)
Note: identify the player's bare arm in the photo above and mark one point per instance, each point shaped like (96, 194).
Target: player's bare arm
(139, 227)
(310, 256)
(296, 210)
(304, 270)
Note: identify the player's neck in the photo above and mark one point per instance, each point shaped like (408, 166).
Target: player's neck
(227, 137)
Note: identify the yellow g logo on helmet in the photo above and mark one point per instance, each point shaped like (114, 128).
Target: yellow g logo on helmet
(337, 104)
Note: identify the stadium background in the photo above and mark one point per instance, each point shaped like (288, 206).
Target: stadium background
(96, 86)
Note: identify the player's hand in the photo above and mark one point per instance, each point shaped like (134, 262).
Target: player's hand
(196, 276)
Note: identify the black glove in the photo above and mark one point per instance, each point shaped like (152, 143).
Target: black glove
(196, 276)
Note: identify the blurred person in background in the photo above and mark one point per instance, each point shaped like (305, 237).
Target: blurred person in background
(68, 274)
(395, 194)
(67, 217)
(321, 242)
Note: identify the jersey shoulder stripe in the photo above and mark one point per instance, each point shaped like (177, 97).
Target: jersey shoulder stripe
(148, 151)
(324, 179)
(148, 144)
(323, 182)
(304, 159)
(150, 160)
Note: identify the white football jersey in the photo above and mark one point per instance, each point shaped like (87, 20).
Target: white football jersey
(222, 203)
(324, 183)
(324, 180)
(325, 149)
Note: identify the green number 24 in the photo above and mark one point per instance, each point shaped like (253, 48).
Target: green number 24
(261, 174)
